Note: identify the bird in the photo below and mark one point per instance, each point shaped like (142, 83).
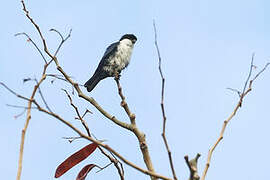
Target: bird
(115, 59)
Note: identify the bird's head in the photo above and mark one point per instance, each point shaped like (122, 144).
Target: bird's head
(130, 37)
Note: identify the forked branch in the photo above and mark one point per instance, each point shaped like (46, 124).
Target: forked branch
(246, 89)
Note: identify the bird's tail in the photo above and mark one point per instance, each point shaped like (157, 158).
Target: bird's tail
(93, 81)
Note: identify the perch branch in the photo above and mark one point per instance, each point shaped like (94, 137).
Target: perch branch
(140, 136)
(88, 137)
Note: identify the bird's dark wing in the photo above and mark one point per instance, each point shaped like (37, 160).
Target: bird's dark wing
(100, 73)
(104, 61)
(110, 50)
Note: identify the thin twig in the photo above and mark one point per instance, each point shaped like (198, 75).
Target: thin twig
(86, 111)
(37, 48)
(113, 160)
(235, 90)
(60, 77)
(13, 92)
(20, 114)
(42, 97)
(250, 72)
(162, 106)
(102, 168)
(259, 73)
(21, 107)
(62, 39)
(239, 104)
(78, 114)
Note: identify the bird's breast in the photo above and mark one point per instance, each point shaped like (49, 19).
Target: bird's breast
(123, 56)
(119, 60)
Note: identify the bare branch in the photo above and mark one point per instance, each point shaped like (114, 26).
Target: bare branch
(91, 139)
(86, 111)
(78, 114)
(37, 48)
(193, 167)
(123, 102)
(140, 136)
(21, 107)
(113, 160)
(56, 76)
(42, 97)
(28, 117)
(162, 106)
(239, 104)
(235, 90)
(258, 74)
(61, 36)
(37, 28)
(62, 39)
(12, 92)
(250, 72)
(31, 100)
(20, 114)
(102, 168)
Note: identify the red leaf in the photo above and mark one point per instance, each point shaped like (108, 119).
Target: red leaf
(85, 170)
(74, 159)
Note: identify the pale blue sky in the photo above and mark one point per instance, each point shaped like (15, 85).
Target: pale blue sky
(206, 46)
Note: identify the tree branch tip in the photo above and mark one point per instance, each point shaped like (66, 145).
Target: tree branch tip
(52, 29)
(18, 34)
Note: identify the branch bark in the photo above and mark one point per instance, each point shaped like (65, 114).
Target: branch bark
(140, 135)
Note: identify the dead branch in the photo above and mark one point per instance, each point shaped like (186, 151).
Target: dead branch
(28, 117)
(78, 113)
(245, 91)
(193, 167)
(90, 138)
(29, 39)
(113, 160)
(162, 106)
(140, 135)
(42, 97)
